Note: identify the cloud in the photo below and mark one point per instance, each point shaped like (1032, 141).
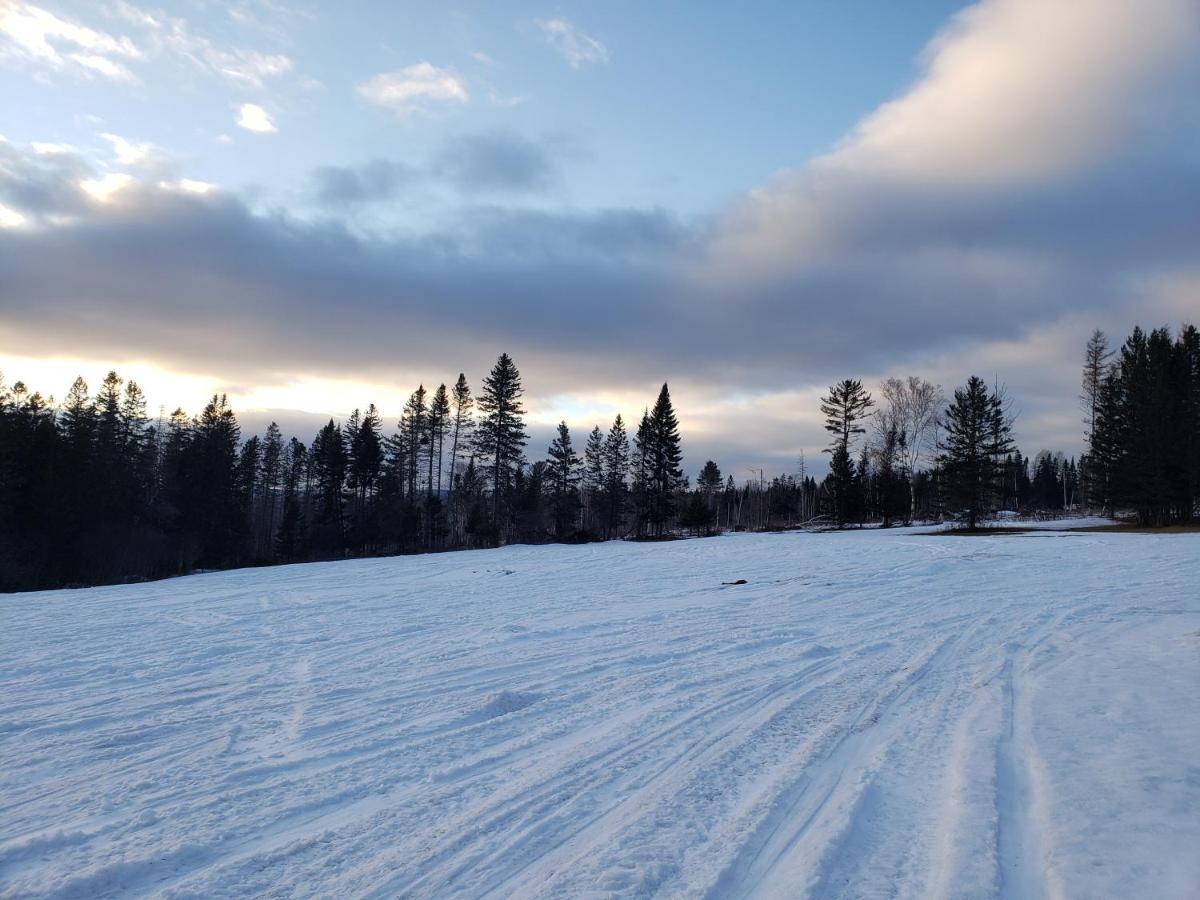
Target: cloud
(494, 161)
(481, 57)
(103, 188)
(577, 48)
(504, 101)
(10, 218)
(128, 153)
(374, 181)
(1022, 90)
(38, 36)
(863, 262)
(174, 36)
(43, 181)
(1021, 102)
(254, 118)
(413, 88)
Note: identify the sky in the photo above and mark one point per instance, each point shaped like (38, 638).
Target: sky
(316, 206)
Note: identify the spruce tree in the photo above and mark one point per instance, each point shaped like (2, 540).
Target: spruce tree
(977, 435)
(413, 426)
(461, 402)
(500, 433)
(439, 424)
(1096, 367)
(614, 459)
(593, 477)
(844, 408)
(327, 470)
(563, 473)
(663, 456)
(272, 474)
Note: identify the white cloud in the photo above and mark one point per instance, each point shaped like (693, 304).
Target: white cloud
(128, 153)
(254, 118)
(39, 36)
(504, 101)
(1015, 90)
(1015, 94)
(248, 68)
(187, 186)
(411, 88)
(104, 66)
(480, 56)
(10, 218)
(576, 47)
(103, 188)
(47, 148)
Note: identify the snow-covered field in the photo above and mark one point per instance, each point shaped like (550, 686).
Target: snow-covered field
(872, 714)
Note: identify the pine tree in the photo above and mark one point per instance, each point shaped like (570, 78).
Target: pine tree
(977, 435)
(844, 408)
(249, 468)
(289, 540)
(413, 427)
(1096, 366)
(461, 403)
(364, 461)
(213, 512)
(500, 433)
(563, 473)
(439, 424)
(327, 470)
(272, 474)
(640, 471)
(662, 455)
(593, 477)
(614, 470)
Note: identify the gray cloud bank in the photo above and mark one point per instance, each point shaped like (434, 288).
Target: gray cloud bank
(913, 240)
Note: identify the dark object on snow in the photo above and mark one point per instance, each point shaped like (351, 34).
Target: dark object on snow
(739, 581)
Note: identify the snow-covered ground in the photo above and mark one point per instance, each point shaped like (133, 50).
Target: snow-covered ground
(881, 713)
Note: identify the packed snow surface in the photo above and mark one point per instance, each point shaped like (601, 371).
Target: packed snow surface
(875, 713)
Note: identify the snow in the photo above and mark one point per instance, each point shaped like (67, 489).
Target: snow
(881, 713)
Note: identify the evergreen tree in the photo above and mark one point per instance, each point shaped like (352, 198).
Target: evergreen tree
(213, 512)
(662, 455)
(696, 515)
(640, 470)
(327, 471)
(439, 425)
(290, 539)
(461, 403)
(247, 483)
(977, 435)
(844, 408)
(593, 477)
(500, 433)
(364, 463)
(892, 482)
(709, 482)
(413, 427)
(614, 470)
(563, 473)
(272, 475)
(1096, 367)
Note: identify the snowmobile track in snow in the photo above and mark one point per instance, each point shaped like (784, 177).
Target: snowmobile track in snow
(874, 714)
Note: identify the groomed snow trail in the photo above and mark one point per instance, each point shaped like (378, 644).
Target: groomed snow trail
(874, 714)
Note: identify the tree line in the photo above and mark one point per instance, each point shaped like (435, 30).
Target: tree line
(923, 458)
(93, 491)
(1142, 410)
